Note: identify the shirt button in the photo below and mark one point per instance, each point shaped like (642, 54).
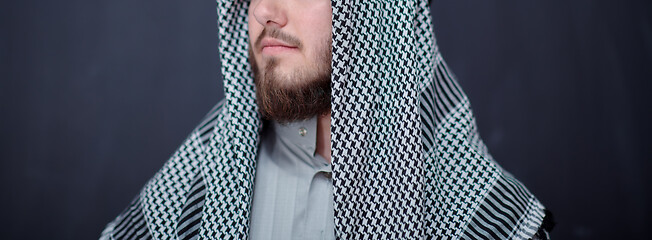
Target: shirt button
(303, 131)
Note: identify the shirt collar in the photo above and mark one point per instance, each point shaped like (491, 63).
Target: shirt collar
(300, 133)
(303, 134)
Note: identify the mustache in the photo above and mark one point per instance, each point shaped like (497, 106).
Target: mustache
(278, 34)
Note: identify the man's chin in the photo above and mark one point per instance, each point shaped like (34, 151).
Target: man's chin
(283, 77)
(289, 90)
(283, 100)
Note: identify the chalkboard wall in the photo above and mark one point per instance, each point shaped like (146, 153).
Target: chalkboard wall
(95, 96)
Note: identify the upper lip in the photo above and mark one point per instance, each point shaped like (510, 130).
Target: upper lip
(272, 42)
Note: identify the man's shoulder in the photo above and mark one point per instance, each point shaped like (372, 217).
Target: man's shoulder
(164, 195)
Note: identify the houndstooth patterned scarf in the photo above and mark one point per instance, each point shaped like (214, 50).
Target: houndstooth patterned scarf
(408, 162)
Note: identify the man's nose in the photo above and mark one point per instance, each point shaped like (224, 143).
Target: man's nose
(270, 13)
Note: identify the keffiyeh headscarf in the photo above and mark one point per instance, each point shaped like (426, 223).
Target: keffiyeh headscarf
(408, 162)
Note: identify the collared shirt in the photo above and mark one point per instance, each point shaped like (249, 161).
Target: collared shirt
(293, 188)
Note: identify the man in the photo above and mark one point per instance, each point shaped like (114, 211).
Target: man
(339, 121)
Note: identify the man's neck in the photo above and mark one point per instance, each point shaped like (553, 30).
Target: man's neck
(324, 136)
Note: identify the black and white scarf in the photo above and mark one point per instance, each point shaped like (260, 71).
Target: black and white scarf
(408, 162)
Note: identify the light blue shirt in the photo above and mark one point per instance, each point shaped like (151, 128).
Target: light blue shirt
(293, 188)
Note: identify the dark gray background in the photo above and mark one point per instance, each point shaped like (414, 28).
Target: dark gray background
(95, 96)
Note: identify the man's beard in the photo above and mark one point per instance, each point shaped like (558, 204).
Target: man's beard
(299, 95)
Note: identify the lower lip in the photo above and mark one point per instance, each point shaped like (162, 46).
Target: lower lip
(270, 50)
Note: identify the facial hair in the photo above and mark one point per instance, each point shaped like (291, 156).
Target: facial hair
(299, 95)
